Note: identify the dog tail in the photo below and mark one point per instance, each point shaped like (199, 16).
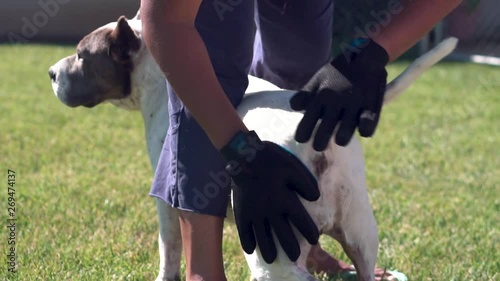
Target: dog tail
(419, 66)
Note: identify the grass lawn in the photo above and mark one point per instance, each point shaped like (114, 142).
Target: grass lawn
(82, 179)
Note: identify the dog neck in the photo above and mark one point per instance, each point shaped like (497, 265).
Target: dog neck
(150, 84)
(149, 95)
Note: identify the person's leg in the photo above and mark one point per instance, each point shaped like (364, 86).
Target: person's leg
(191, 175)
(202, 241)
(183, 180)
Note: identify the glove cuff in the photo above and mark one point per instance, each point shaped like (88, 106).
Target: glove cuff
(242, 147)
(365, 50)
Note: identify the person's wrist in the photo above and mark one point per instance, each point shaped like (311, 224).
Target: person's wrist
(242, 147)
(361, 51)
(367, 50)
(361, 60)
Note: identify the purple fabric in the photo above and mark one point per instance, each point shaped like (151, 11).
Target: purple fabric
(292, 41)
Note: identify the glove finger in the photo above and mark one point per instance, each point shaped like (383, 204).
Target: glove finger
(300, 100)
(326, 128)
(286, 237)
(312, 86)
(347, 126)
(246, 234)
(368, 121)
(308, 122)
(304, 183)
(298, 176)
(370, 112)
(265, 240)
(304, 223)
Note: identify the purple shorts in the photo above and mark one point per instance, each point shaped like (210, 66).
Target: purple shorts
(292, 41)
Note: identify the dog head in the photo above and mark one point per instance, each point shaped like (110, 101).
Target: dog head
(101, 70)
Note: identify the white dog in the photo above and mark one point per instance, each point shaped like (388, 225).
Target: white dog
(113, 65)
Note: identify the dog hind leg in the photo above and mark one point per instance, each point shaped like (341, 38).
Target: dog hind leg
(347, 214)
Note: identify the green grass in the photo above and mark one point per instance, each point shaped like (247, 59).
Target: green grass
(83, 179)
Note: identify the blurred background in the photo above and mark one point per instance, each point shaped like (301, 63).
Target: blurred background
(476, 23)
(58, 21)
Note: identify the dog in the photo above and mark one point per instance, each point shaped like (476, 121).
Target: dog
(113, 65)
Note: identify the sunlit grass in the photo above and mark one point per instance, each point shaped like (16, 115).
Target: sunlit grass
(83, 179)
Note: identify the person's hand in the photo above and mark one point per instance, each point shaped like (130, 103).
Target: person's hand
(349, 90)
(267, 179)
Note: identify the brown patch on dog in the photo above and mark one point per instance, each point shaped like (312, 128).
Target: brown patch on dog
(320, 164)
(339, 212)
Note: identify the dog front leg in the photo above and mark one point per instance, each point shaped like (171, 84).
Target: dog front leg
(169, 242)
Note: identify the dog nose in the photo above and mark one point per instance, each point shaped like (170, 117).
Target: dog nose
(52, 74)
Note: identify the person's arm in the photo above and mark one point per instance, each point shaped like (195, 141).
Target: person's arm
(170, 34)
(417, 17)
(349, 90)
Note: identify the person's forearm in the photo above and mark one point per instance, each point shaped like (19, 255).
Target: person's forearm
(181, 54)
(416, 18)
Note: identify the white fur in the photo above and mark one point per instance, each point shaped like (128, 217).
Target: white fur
(343, 211)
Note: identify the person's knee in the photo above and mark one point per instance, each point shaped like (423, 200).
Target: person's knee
(202, 222)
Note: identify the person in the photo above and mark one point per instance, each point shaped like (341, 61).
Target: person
(206, 49)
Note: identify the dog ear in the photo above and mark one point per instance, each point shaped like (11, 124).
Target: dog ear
(123, 42)
(138, 15)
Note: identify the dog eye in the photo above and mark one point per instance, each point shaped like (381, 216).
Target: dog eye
(78, 56)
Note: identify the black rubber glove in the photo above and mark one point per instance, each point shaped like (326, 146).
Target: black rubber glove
(349, 90)
(267, 179)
